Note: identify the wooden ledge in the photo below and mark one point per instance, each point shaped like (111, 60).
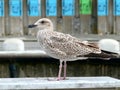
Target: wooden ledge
(70, 83)
(27, 53)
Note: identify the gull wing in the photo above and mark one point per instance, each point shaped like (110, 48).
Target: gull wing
(70, 45)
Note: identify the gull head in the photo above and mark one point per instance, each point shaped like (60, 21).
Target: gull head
(42, 24)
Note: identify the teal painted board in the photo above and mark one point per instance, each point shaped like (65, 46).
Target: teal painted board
(1, 7)
(15, 8)
(51, 7)
(102, 7)
(116, 7)
(34, 7)
(68, 7)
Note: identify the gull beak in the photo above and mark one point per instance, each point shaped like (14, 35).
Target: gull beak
(32, 26)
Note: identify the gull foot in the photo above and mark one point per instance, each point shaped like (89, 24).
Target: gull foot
(57, 79)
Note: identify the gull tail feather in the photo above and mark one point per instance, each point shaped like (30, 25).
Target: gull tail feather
(106, 55)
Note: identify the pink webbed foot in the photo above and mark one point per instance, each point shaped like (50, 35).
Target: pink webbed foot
(56, 79)
(62, 78)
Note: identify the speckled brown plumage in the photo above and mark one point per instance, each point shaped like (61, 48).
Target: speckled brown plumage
(63, 46)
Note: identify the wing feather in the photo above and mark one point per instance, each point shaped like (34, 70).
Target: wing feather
(71, 45)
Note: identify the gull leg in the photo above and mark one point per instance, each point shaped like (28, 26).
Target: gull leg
(65, 67)
(60, 70)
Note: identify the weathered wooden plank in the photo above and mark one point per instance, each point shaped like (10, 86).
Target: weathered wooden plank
(94, 23)
(51, 11)
(67, 24)
(25, 18)
(59, 26)
(111, 18)
(116, 14)
(116, 25)
(16, 26)
(7, 20)
(43, 8)
(85, 21)
(80, 83)
(110, 21)
(35, 53)
(102, 25)
(85, 16)
(4, 70)
(59, 16)
(68, 11)
(2, 28)
(15, 13)
(102, 13)
(38, 69)
(48, 67)
(76, 20)
(2, 14)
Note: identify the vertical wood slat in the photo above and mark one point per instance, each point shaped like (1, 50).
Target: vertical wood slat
(116, 17)
(117, 25)
(94, 17)
(7, 19)
(110, 21)
(85, 20)
(4, 70)
(25, 18)
(52, 18)
(67, 24)
(105, 23)
(33, 19)
(16, 26)
(76, 20)
(67, 16)
(59, 27)
(2, 28)
(102, 22)
(43, 8)
(102, 25)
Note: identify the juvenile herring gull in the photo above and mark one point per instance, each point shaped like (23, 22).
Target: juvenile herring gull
(64, 46)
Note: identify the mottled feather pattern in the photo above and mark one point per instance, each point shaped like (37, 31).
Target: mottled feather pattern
(66, 47)
(63, 46)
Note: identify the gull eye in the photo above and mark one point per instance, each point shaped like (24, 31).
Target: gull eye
(42, 22)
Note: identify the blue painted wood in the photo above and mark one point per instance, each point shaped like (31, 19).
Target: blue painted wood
(51, 7)
(68, 7)
(116, 7)
(34, 7)
(15, 8)
(102, 7)
(1, 7)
